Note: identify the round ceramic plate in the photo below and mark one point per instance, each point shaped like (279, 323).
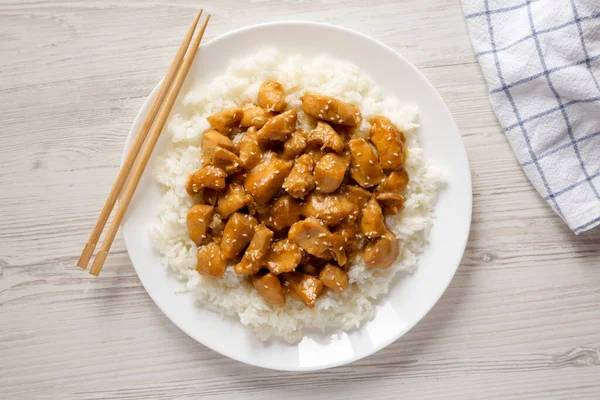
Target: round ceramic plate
(410, 298)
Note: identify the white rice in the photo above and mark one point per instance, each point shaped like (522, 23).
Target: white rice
(234, 295)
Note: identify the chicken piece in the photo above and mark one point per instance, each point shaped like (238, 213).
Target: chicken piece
(256, 251)
(325, 137)
(265, 180)
(216, 226)
(233, 199)
(331, 109)
(198, 218)
(300, 181)
(227, 161)
(388, 193)
(357, 195)
(302, 287)
(238, 232)
(382, 252)
(347, 235)
(313, 236)
(270, 288)
(284, 256)
(294, 145)
(278, 128)
(364, 168)
(210, 262)
(333, 209)
(396, 182)
(249, 149)
(259, 210)
(256, 117)
(316, 155)
(227, 122)
(209, 196)
(271, 96)
(285, 212)
(334, 278)
(211, 141)
(389, 142)
(338, 242)
(392, 204)
(330, 171)
(347, 232)
(206, 177)
(372, 224)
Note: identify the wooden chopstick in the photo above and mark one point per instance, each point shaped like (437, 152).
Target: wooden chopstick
(88, 250)
(135, 177)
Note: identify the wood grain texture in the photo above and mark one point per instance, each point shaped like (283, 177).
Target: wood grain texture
(521, 319)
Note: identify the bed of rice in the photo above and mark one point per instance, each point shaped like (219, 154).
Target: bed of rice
(234, 295)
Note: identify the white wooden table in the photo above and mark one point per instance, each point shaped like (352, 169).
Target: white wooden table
(521, 319)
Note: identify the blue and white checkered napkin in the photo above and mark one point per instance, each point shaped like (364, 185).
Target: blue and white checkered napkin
(541, 60)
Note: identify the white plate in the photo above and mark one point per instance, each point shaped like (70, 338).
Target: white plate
(410, 298)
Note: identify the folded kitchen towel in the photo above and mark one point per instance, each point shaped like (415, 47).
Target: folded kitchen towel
(541, 60)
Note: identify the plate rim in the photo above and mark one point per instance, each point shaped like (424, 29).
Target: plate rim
(383, 344)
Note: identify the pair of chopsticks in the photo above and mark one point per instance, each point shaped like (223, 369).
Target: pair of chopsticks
(161, 106)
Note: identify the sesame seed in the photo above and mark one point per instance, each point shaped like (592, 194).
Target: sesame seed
(371, 162)
(396, 154)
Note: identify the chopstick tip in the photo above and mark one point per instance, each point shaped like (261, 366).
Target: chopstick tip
(86, 255)
(98, 262)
